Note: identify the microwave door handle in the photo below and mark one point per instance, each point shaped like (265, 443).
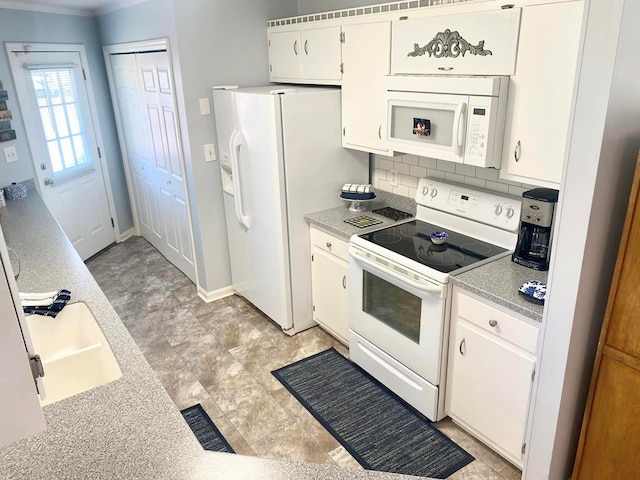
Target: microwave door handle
(458, 120)
(235, 146)
(433, 290)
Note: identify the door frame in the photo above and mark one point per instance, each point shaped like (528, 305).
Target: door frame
(147, 46)
(97, 130)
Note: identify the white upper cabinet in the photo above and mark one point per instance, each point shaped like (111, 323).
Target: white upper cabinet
(284, 55)
(479, 43)
(366, 56)
(541, 93)
(312, 55)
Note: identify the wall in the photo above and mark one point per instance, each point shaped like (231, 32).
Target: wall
(213, 42)
(603, 147)
(411, 168)
(35, 27)
(315, 6)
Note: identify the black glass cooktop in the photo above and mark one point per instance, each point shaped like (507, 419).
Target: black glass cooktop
(412, 240)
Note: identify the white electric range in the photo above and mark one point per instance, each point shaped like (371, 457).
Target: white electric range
(399, 290)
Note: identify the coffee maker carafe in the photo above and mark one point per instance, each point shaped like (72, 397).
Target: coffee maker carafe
(536, 220)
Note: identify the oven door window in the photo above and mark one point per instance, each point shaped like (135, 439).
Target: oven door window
(391, 305)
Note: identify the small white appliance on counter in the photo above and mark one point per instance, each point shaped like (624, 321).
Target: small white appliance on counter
(280, 158)
(399, 290)
(458, 119)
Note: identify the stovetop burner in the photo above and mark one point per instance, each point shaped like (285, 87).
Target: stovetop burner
(392, 213)
(412, 240)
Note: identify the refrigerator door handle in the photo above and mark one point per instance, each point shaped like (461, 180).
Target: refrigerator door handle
(235, 146)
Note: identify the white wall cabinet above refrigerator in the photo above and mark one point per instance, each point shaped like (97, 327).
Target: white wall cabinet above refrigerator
(311, 55)
(479, 43)
(541, 94)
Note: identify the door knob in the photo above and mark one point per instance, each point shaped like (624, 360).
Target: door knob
(48, 182)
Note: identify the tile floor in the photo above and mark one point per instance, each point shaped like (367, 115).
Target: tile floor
(220, 354)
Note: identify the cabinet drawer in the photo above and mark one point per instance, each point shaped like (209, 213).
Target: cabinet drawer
(495, 321)
(329, 243)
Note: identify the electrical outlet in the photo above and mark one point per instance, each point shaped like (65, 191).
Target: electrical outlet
(210, 152)
(392, 177)
(10, 154)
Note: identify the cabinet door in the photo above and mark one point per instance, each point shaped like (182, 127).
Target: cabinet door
(541, 93)
(321, 54)
(329, 291)
(491, 387)
(479, 43)
(285, 53)
(366, 55)
(20, 411)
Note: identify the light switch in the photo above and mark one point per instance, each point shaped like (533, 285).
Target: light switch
(205, 106)
(10, 154)
(210, 152)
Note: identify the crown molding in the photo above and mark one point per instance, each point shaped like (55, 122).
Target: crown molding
(65, 10)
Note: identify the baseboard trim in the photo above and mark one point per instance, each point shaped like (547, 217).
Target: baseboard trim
(216, 294)
(127, 235)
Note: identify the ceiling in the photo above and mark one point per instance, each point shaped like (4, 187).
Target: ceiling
(69, 7)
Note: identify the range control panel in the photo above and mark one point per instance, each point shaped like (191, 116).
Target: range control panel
(482, 206)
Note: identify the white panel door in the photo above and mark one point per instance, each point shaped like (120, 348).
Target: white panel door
(321, 54)
(144, 87)
(55, 101)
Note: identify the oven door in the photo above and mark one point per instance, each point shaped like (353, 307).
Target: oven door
(399, 311)
(430, 125)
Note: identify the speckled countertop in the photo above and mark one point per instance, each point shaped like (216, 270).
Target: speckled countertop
(497, 281)
(333, 219)
(129, 428)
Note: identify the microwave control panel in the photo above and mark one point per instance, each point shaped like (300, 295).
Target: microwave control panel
(480, 131)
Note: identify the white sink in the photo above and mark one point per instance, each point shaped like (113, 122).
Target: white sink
(75, 354)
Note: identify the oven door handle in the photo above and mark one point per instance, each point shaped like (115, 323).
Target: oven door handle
(431, 289)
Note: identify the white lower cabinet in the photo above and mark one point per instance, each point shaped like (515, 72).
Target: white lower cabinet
(329, 270)
(491, 370)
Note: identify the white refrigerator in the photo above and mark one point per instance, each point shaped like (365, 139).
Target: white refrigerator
(280, 158)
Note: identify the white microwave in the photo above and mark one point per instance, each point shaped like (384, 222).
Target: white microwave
(458, 119)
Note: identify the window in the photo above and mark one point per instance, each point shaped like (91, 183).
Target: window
(58, 105)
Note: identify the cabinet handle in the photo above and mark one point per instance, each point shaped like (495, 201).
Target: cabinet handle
(295, 47)
(344, 282)
(328, 244)
(445, 69)
(306, 50)
(463, 344)
(516, 151)
(380, 131)
(493, 323)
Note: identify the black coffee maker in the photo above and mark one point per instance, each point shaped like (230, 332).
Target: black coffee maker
(536, 220)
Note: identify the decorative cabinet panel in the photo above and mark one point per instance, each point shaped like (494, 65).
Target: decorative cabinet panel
(480, 43)
(305, 56)
(329, 270)
(541, 93)
(362, 105)
(610, 438)
(491, 370)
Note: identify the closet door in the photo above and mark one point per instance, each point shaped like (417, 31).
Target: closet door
(144, 85)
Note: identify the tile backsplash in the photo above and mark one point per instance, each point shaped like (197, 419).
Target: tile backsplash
(410, 168)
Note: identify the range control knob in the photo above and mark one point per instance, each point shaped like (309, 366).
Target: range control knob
(434, 192)
(510, 212)
(498, 210)
(425, 190)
